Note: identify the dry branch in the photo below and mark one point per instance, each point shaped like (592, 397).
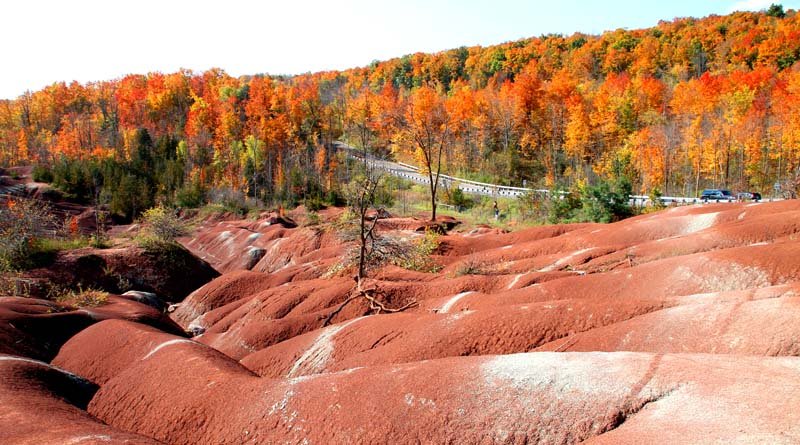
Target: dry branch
(373, 296)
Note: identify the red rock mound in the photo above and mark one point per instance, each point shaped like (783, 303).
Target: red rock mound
(170, 272)
(266, 245)
(37, 328)
(676, 327)
(733, 324)
(402, 338)
(565, 302)
(529, 398)
(44, 405)
(102, 351)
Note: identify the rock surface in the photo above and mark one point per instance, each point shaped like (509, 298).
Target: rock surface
(672, 327)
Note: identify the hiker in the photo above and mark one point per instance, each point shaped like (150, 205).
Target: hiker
(496, 211)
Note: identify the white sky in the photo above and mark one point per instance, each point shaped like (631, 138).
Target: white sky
(85, 40)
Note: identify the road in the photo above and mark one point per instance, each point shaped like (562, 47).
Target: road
(412, 173)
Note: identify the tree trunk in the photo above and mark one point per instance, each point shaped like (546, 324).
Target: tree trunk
(433, 182)
(362, 255)
(433, 206)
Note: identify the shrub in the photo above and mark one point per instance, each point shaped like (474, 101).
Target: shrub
(312, 218)
(655, 199)
(232, 201)
(100, 241)
(418, 256)
(190, 196)
(470, 266)
(532, 205)
(24, 224)
(561, 206)
(314, 204)
(606, 201)
(84, 298)
(458, 198)
(163, 224)
(42, 174)
(335, 198)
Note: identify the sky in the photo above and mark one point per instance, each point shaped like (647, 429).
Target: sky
(89, 40)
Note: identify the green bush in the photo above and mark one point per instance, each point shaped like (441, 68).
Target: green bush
(314, 204)
(312, 219)
(233, 201)
(335, 198)
(655, 199)
(458, 198)
(163, 224)
(533, 206)
(190, 196)
(42, 174)
(418, 257)
(25, 225)
(606, 201)
(562, 206)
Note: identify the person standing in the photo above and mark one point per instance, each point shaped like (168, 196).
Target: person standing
(496, 211)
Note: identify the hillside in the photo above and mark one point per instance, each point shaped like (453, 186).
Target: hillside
(688, 104)
(676, 326)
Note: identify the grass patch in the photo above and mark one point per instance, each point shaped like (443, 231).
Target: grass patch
(14, 284)
(84, 298)
(418, 257)
(470, 266)
(512, 215)
(216, 209)
(44, 251)
(167, 254)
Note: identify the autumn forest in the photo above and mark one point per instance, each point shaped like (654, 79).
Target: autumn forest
(688, 104)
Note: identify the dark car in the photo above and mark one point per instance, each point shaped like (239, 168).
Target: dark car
(748, 196)
(717, 195)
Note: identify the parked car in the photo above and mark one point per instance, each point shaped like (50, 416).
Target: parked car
(748, 196)
(717, 195)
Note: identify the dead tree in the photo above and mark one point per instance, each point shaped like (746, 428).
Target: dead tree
(372, 248)
(362, 200)
(374, 296)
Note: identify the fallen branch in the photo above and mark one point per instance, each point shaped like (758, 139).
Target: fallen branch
(339, 309)
(372, 296)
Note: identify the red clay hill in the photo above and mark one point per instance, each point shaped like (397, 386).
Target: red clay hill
(674, 327)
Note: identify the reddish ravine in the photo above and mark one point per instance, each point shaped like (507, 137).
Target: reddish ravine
(673, 327)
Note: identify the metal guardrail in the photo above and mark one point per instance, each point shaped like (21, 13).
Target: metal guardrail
(485, 189)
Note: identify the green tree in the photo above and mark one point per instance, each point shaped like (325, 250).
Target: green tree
(776, 10)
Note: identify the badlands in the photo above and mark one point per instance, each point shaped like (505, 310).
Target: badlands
(679, 326)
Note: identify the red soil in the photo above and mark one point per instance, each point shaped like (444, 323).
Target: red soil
(170, 275)
(37, 328)
(178, 391)
(44, 405)
(183, 394)
(678, 326)
(266, 245)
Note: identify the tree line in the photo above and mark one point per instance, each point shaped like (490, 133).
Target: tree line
(688, 104)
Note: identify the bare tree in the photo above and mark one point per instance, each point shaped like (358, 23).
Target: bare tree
(362, 199)
(427, 125)
(372, 249)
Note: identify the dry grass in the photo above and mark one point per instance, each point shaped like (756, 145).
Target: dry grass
(84, 298)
